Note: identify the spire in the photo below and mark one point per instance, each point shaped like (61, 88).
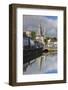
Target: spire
(41, 33)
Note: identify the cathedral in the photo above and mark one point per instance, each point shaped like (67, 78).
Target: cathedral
(39, 35)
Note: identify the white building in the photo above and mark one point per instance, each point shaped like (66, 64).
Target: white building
(52, 44)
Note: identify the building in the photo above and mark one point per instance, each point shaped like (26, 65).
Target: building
(52, 43)
(28, 33)
(40, 36)
(29, 43)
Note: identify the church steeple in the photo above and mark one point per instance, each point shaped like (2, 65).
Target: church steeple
(41, 33)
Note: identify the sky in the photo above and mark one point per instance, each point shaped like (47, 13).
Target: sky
(48, 24)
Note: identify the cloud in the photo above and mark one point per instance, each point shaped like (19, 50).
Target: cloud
(32, 22)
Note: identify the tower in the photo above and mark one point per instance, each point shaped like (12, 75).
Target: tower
(41, 32)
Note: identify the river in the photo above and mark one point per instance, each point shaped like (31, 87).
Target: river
(45, 64)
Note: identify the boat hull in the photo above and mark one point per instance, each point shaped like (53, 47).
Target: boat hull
(30, 54)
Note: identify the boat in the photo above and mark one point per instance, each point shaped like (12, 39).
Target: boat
(31, 49)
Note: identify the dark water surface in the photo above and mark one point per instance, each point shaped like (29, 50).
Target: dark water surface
(45, 64)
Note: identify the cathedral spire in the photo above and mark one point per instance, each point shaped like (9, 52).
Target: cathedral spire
(41, 33)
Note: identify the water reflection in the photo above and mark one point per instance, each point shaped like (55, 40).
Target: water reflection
(46, 63)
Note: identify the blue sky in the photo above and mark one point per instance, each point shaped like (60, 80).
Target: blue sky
(52, 17)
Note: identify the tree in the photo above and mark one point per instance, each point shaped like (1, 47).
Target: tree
(33, 35)
(45, 40)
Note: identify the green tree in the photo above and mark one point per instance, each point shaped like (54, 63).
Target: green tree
(33, 35)
(45, 40)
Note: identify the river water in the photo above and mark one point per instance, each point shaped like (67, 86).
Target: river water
(45, 64)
